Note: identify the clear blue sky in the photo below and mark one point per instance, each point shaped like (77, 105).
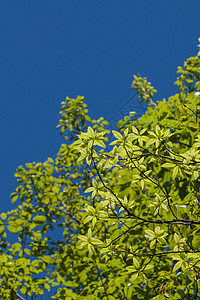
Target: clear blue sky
(53, 49)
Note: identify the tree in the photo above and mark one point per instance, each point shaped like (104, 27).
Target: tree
(126, 213)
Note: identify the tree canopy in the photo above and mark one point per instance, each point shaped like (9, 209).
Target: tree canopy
(115, 215)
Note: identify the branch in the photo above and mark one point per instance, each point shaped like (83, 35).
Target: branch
(176, 221)
(20, 297)
(159, 186)
(157, 254)
(122, 234)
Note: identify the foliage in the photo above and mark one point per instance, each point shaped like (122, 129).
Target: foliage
(111, 221)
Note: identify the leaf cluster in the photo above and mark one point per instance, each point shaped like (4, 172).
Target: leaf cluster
(115, 220)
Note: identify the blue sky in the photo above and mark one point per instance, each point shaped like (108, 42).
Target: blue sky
(53, 49)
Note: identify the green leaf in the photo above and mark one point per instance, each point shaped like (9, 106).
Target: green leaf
(88, 219)
(149, 266)
(14, 229)
(176, 238)
(177, 266)
(168, 165)
(50, 160)
(131, 269)
(175, 172)
(39, 220)
(3, 216)
(136, 263)
(89, 234)
(96, 242)
(150, 232)
(83, 238)
(134, 277)
(47, 259)
(100, 143)
(14, 198)
(117, 135)
(88, 190)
